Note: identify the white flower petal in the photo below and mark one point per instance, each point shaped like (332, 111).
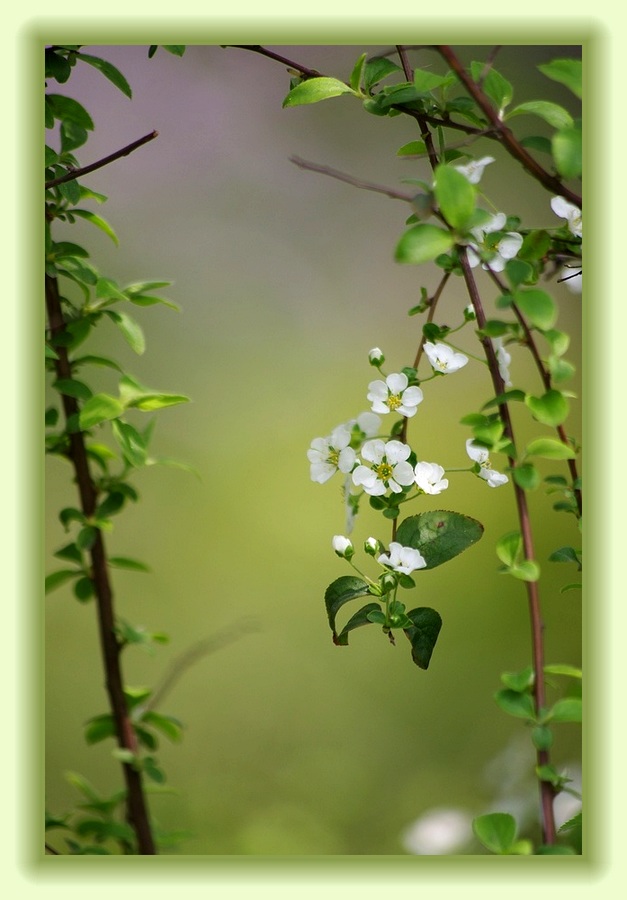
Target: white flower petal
(397, 382)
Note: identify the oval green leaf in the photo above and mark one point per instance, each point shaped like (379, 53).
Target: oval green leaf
(423, 634)
(422, 243)
(315, 89)
(341, 591)
(538, 306)
(550, 409)
(439, 535)
(549, 448)
(552, 113)
(496, 831)
(455, 196)
(100, 408)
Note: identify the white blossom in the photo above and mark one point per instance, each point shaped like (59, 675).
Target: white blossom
(474, 169)
(329, 454)
(503, 359)
(342, 546)
(388, 467)
(444, 359)
(429, 478)
(402, 559)
(568, 211)
(507, 247)
(480, 455)
(393, 395)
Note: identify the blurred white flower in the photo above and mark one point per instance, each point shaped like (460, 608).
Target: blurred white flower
(393, 395)
(438, 832)
(504, 359)
(571, 278)
(443, 358)
(568, 211)
(474, 169)
(329, 454)
(507, 247)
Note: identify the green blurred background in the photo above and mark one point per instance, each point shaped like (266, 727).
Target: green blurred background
(286, 279)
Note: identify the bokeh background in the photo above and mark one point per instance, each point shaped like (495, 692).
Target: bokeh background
(286, 279)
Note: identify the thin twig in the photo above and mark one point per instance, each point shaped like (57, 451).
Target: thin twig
(193, 654)
(85, 170)
(350, 179)
(257, 48)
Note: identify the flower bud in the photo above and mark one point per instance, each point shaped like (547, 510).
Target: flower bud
(388, 582)
(372, 546)
(342, 546)
(376, 357)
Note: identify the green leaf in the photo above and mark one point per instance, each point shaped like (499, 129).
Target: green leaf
(67, 109)
(568, 709)
(377, 70)
(536, 142)
(361, 617)
(109, 71)
(552, 113)
(98, 221)
(498, 88)
(423, 634)
(130, 329)
(426, 81)
(549, 448)
(423, 243)
(84, 589)
(526, 476)
(455, 196)
(563, 669)
(71, 387)
(132, 444)
(566, 71)
(99, 408)
(339, 592)
(167, 725)
(566, 146)
(123, 562)
(508, 548)
(99, 728)
(439, 535)
(357, 73)
(496, 831)
(538, 306)
(515, 703)
(56, 579)
(550, 409)
(526, 570)
(413, 148)
(519, 681)
(535, 245)
(315, 89)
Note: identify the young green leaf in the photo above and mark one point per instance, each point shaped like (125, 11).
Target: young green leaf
(566, 146)
(496, 831)
(315, 89)
(552, 113)
(515, 703)
(109, 71)
(56, 579)
(422, 243)
(99, 408)
(129, 328)
(549, 448)
(566, 71)
(550, 409)
(538, 306)
(455, 196)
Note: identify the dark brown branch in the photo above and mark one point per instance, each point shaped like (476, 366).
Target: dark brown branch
(425, 134)
(533, 597)
(85, 170)
(349, 179)
(256, 48)
(136, 804)
(546, 381)
(504, 134)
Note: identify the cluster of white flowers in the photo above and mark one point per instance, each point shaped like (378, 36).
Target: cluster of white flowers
(497, 256)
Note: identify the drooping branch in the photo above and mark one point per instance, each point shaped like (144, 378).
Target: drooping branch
(350, 179)
(270, 54)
